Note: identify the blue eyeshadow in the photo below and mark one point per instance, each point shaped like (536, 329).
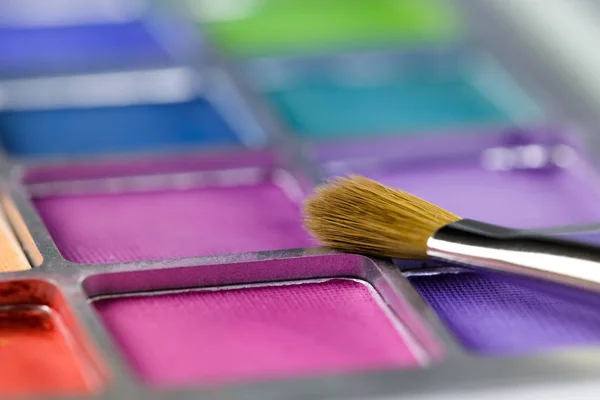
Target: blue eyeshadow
(65, 49)
(329, 109)
(87, 131)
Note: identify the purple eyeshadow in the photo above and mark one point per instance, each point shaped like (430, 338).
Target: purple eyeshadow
(517, 198)
(494, 316)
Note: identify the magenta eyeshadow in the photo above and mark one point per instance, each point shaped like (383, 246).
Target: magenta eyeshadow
(255, 333)
(103, 228)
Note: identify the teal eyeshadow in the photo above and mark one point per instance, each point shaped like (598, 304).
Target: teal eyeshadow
(321, 109)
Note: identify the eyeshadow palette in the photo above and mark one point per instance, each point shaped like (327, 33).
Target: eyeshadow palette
(153, 166)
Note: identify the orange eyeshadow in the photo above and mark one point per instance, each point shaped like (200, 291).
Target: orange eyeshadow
(12, 257)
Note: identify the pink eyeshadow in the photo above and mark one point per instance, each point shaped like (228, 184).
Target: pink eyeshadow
(95, 229)
(254, 333)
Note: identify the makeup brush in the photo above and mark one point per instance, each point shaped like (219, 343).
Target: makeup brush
(358, 215)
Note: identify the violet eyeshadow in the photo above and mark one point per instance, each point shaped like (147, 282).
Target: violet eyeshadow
(519, 199)
(497, 316)
(494, 316)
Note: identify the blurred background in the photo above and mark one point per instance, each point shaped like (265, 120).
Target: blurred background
(108, 78)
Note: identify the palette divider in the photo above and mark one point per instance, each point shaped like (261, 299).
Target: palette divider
(184, 274)
(28, 227)
(163, 21)
(227, 101)
(120, 381)
(278, 134)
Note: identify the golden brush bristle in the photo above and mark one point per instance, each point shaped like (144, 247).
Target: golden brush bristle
(359, 215)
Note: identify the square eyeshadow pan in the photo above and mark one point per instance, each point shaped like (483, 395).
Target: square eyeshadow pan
(180, 219)
(256, 332)
(508, 177)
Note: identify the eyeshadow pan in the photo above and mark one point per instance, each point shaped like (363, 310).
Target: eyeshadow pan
(532, 198)
(104, 228)
(12, 257)
(493, 316)
(67, 49)
(254, 333)
(37, 357)
(330, 109)
(43, 350)
(98, 130)
(292, 26)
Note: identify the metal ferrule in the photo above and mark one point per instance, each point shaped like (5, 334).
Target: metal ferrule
(490, 248)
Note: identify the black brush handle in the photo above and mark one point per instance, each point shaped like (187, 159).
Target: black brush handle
(484, 247)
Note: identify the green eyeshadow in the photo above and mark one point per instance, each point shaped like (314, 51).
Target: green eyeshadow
(251, 28)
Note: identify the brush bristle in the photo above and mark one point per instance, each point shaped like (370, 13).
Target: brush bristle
(359, 215)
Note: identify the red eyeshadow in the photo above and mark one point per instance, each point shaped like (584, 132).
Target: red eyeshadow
(39, 357)
(41, 351)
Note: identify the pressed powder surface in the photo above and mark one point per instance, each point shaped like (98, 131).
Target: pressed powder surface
(63, 49)
(12, 257)
(155, 225)
(275, 26)
(494, 316)
(67, 131)
(520, 199)
(328, 110)
(37, 357)
(211, 337)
